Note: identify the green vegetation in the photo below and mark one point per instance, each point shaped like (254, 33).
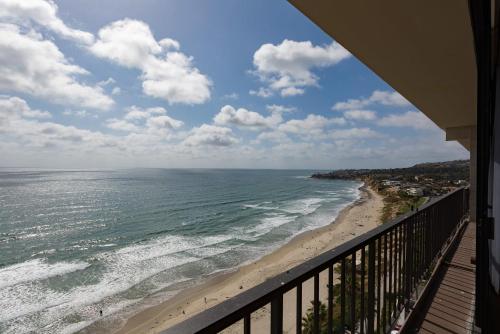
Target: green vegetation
(399, 203)
(308, 319)
(404, 188)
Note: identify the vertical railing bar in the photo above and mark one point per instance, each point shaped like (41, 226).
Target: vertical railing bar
(362, 293)
(408, 265)
(384, 304)
(298, 310)
(414, 253)
(379, 263)
(246, 324)
(370, 326)
(391, 269)
(417, 253)
(277, 314)
(396, 272)
(342, 295)
(421, 235)
(316, 304)
(400, 264)
(353, 292)
(330, 300)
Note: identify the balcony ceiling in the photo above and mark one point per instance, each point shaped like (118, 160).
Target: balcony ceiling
(423, 49)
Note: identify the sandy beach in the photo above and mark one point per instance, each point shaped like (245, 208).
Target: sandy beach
(354, 220)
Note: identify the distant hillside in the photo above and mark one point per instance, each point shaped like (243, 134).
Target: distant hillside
(451, 171)
(407, 188)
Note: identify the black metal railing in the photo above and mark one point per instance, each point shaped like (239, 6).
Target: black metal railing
(371, 280)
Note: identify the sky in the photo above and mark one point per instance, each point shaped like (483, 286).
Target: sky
(195, 84)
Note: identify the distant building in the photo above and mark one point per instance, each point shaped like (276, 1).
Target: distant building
(390, 183)
(415, 191)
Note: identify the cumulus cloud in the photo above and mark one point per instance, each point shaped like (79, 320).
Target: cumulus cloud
(23, 125)
(273, 136)
(79, 113)
(411, 119)
(377, 97)
(244, 118)
(122, 125)
(31, 65)
(288, 67)
(136, 113)
(355, 133)
(261, 92)
(210, 135)
(311, 125)
(276, 108)
(360, 115)
(43, 13)
(145, 120)
(163, 122)
(15, 106)
(166, 73)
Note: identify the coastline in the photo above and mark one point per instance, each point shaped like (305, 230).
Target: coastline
(355, 219)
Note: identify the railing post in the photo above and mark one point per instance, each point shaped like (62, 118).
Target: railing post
(408, 262)
(370, 327)
(277, 315)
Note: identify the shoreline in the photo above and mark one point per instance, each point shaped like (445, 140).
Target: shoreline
(355, 219)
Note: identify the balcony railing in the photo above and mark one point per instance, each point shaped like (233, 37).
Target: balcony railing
(371, 279)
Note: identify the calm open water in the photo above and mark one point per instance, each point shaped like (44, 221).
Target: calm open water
(76, 242)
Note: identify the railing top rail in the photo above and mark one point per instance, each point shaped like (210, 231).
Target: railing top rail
(232, 310)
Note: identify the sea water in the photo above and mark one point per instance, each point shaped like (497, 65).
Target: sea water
(73, 243)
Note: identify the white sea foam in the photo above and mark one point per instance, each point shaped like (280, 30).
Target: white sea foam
(35, 270)
(303, 206)
(260, 206)
(29, 305)
(269, 223)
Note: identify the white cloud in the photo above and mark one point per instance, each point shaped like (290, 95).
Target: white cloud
(32, 65)
(43, 13)
(273, 136)
(21, 125)
(149, 120)
(279, 108)
(244, 118)
(360, 115)
(137, 113)
(14, 106)
(232, 96)
(108, 81)
(210, 135)
(311, 125)
(122, 125)
(355, 133)
(292, 91)
(166, 73)
(116, 91)
(389, 99)
(412, 119)
(377, 97)
(79, 113)
(127, 42)
(164, 122)
(287, 67)
(262, 92)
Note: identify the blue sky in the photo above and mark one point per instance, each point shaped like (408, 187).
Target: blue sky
(223, 83)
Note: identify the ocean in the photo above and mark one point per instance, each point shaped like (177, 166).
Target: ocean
(73, 243)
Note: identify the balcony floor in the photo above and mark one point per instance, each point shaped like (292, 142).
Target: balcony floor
(449, 306)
